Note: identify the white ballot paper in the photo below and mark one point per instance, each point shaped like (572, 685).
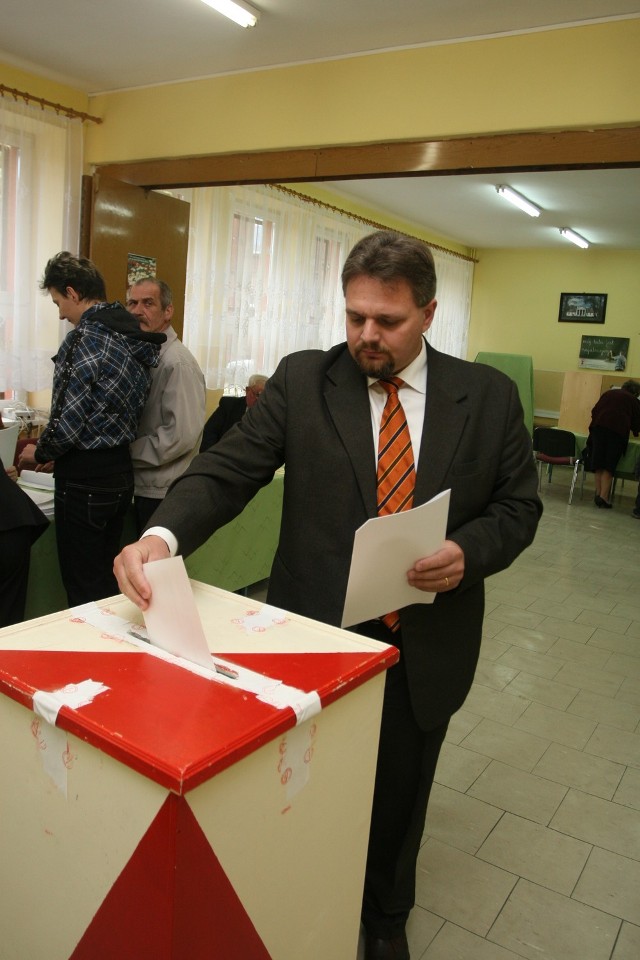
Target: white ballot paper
(384, 549)
(172, 619)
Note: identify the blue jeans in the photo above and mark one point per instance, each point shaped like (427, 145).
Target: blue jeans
(89, 516)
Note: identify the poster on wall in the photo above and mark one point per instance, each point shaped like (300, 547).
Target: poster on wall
(604, 353)
(139, 267)
(582, 307)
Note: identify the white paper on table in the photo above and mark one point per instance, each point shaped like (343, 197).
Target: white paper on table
(384, 549)
(172, 619)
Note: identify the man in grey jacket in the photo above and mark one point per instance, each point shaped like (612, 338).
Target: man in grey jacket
(171, 425)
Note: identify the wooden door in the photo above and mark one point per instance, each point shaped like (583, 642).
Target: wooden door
(128, 220)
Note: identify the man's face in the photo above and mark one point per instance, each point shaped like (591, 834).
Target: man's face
(252, 393)
(384, 325)
(70, 306)
(143, 302)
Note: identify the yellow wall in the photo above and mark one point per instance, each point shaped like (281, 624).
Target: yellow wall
(516, 296)
(41, 87)
(486, 86)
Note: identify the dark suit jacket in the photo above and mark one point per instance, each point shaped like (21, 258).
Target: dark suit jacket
(315, 414)
(17, 509)
(228, 412)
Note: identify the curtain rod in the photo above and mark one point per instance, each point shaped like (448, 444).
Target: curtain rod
(58, 107)
(368, 223)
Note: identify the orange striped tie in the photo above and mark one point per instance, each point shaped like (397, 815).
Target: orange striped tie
(396, 469)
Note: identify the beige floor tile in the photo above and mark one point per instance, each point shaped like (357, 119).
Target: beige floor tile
(629, 690)
(490, 628)
(607, 710)
(494, 675)
(518, 618)
(611, 883)
(556, 725)
(587, 601)
(587, 677)
(493, 649)
(461, 723)
(422, 927)
(539, 924)
(566, 610)
(578, 653)
(521, 793)
(552, 590)
(512, 598)
(459, 887)
(458, 768)
(577, 632)
(600, 822)
(536, 640)
(634, 627)
(454, 943)
(627, 944)
(533, 851)
(625, 666)
(628, 792)
(538, 664)
(458, 819)
(624, 643)
(606, 621)
(615, 744)
(504, 743)
(573, 768)
(495, 705)
(550, 692)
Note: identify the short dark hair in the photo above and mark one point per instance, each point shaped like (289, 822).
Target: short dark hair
(66, 270)
(164, 290)
(388, 256)
(632, 386)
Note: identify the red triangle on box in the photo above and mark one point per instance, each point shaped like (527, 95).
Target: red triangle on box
(172, 901)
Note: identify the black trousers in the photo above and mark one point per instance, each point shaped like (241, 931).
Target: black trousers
(89, 515)
(407, 759)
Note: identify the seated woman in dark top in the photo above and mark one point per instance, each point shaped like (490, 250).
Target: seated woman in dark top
(615, 415)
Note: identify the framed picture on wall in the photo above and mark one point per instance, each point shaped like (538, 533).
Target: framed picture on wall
(604, 353)
(582, 307)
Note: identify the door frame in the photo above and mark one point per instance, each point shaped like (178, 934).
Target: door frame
(538, 151)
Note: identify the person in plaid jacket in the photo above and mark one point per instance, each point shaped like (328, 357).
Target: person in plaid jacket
(101, 380)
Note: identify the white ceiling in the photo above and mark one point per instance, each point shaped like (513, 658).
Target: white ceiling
(121, 44)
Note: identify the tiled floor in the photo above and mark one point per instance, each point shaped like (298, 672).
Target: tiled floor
(532, 843)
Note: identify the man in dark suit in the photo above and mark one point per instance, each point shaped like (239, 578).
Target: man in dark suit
(321, 412)
(230, 410)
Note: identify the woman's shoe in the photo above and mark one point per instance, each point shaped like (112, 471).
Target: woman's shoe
(599, 502)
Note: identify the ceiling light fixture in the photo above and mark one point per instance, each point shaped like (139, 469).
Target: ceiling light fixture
(574, 237)
(519, 201)
(240, 13)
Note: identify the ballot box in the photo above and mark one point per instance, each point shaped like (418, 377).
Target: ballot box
(149, 811)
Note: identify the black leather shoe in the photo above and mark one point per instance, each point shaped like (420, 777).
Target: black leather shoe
(395, 949)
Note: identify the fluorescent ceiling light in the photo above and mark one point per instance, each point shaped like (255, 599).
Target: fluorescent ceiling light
(574, 237)
(519, 201)
(240, 13)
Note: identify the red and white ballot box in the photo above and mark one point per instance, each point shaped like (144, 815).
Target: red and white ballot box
(152, 810)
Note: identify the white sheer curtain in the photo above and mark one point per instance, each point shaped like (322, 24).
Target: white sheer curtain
(263, 280)
(40, 182)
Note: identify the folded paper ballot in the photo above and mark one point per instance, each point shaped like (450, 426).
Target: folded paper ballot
(384, 549)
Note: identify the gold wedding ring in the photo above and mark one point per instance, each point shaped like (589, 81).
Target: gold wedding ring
(446, 581)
